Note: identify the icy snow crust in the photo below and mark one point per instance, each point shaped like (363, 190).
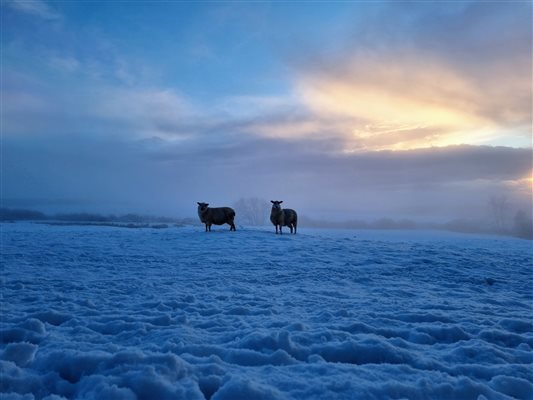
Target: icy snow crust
(114, 313)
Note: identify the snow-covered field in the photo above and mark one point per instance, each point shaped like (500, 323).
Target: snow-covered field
(177, 313)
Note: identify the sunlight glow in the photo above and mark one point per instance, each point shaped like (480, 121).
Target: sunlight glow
(402, 105)
(530, 180)
(388, 120)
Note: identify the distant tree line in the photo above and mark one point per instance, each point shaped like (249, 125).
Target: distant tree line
(7, 214)
(522, 225)
(254, 211)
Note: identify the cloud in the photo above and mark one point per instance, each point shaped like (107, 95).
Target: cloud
(34, 107)
(427, 76)
(402, 81)
(153, 150)
(373, 130)
(409, 76)
(383, 102)
(320, 162)
(145, 112)
(440, 104)
(36, 8)
(165, 177)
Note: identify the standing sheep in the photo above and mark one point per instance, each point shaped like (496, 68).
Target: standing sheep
(216, 215)
(283, 217)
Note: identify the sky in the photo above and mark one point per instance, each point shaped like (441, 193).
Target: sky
(349, 109)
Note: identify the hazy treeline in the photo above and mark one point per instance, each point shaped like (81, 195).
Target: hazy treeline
(499, 220)
(255, 212)
(7, 214)
(521, 227)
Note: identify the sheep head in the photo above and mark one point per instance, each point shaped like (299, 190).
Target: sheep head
(202, 207)
(276, 205)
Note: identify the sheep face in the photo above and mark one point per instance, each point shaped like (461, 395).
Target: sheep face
(276, 205)
(202, 207)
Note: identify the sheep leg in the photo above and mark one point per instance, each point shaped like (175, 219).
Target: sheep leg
(290, 227)
(206, 227)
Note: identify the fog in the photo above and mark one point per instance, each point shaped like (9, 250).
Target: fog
(72, 175)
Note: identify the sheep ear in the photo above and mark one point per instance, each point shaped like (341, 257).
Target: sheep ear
(272, 201)
(206, 204)
(281, 202)
(199, 203)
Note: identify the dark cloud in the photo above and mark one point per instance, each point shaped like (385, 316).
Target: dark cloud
(166, 178)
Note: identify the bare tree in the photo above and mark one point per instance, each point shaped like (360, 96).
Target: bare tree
(252, 210)
(499, 209)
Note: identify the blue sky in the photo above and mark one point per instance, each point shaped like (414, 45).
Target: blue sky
(336, 107)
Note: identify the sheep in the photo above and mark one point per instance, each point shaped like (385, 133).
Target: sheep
(283, 217)
(216, 215)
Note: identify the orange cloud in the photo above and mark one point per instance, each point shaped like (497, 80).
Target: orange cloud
(413, 102)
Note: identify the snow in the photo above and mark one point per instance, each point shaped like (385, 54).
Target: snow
(113, 313)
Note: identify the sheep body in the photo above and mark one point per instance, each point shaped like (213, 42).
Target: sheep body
(283, 217)
(216, 216)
